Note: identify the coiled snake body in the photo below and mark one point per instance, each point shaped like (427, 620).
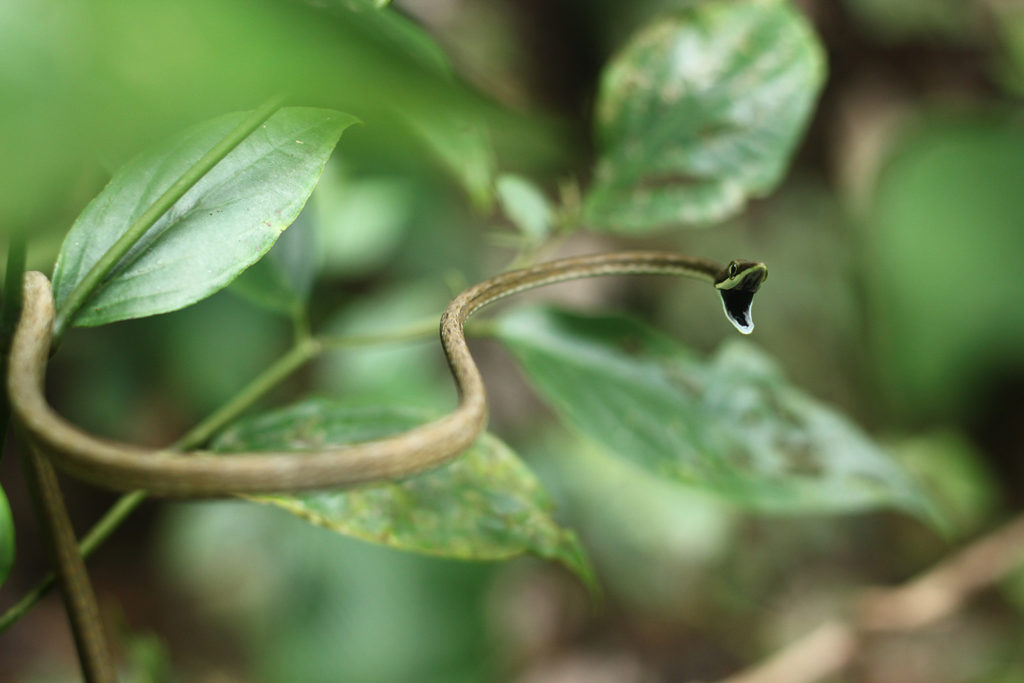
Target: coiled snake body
(204, 474)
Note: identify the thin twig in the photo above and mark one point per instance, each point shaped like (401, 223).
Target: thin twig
(79, 597)
(920, 602)
(943, 589)
(821, 652)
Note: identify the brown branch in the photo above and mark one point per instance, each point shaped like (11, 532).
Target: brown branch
(924, 600)
(942, 590)
(821, 652)
(79, 598)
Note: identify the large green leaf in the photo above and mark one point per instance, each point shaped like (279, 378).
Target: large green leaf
(6, 538)
(166, 64)
(458, 140)
(731, 425)
(283, 279)
(222, 225)
(484, 505)
(700, 111)
(944, 279)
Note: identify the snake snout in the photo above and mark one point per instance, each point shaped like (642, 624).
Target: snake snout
(737, 286)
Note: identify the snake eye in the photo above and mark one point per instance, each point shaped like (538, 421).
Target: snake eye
(732, 269)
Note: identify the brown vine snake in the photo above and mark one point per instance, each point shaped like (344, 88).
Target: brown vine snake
(204, 474)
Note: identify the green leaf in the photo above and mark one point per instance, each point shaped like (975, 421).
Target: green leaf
(526, 206)
(6, 538)
(365, 603)
(623, 512)
(957, 478)
(222, 225)
(944, 278)
(485, 505)
(168, 64)
(359, 222)
(282, 280)
(459, 141)
(731, 425)
(462, 145)
(701, 111)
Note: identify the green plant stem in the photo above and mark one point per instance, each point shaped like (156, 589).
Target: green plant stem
(92, 280)
(304, 350)
(421, 330)
(124, 506)
(300, 322)
(14, 278)
(426, 329)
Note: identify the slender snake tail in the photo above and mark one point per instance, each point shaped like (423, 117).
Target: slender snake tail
(205, 474)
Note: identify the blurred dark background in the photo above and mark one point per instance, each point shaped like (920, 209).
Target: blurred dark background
(895, 295)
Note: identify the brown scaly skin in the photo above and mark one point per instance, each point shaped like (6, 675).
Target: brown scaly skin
(205, 474)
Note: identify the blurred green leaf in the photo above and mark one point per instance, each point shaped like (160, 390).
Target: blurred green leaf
(956, 477)
(526, 206)
(1013, 588)
(701, 111)
(459, 140)
(359, 222)
(222, 225)
(392, 30)
(304, 604)
(951, 20)
(484, 505)
(1008, 64)
(147, 658)
(623, 512)
(944, 276)
(463, 146)
(168, 64)
(731, 425)
(6, 538)
(281, 281)
(412, 375)
(206, 352)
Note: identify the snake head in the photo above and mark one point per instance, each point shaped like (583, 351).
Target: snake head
(737, 284)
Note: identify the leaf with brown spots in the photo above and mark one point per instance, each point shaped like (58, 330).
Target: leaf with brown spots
(701, 111)
(731, 425)
(484, 505)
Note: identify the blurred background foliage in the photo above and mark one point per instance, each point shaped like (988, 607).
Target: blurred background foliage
(894, 294)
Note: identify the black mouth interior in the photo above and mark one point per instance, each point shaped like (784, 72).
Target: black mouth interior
(751, 281)
(737, 305)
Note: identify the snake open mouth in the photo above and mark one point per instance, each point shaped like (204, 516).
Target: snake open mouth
(737, 303)
(737, 286)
